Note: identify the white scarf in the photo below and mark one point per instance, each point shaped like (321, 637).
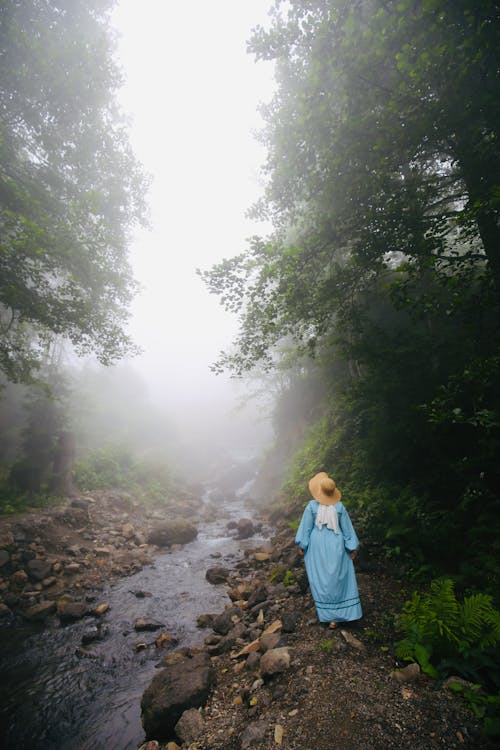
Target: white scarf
(327, 514)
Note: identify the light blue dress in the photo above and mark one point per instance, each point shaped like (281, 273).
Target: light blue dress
(329, 568)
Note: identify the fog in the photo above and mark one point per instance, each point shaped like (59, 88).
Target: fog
(192, 93)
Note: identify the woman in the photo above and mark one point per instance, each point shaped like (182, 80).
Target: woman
(329, 543)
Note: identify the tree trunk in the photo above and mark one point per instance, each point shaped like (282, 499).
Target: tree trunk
(61, 481)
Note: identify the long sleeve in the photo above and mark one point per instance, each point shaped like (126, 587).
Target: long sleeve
(305, 527)
(351, 541)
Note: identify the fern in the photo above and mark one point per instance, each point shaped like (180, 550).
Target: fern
(440, 631)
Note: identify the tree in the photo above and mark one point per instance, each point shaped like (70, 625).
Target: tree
(70, 187)
(382, 185)
(383, 148)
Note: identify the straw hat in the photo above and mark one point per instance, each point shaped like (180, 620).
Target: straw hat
(323, 489)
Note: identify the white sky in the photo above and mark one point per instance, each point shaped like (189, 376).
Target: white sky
(193, 92)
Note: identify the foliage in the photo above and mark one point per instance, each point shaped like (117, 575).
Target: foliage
(485, 707)
(327, 644)
(445, 635)
(373, 162)
(289, 579)
(12, 500)
(116, 467)
(70, 187)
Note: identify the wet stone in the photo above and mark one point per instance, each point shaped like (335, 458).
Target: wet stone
(39, 612)
(144, 624)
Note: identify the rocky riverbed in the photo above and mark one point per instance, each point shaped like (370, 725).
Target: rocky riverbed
(270, 676)
(263, 672)
(58, 553)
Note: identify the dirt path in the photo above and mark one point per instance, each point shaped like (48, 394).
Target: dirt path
(338, 692)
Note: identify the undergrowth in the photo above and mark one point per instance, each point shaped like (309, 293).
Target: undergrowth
(116, 467)
(451, 637)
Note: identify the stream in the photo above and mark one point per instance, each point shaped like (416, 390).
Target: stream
(52, 697)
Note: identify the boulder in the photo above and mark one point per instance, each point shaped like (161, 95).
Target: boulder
(245, 528)
(175, 532)
(182, 684)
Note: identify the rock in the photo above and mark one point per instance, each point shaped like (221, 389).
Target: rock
(4, 610)
(352, 640)
(290, 621)
(248, 649)
(73, 568)
(273, 627)
(183, 684)
(49, 582)
(75, 516)
(257, 597)
(278, 734)
(95, 633)
(10, 599)
(223, 623)
(38, 569)
(18, 580)
(217, 575)
(4, 558)
(176, 532)
(269, 640)
(407, 674)
(253, 660)
(143, 623)
(245, 528)
(190, 726)
(274, 661)
(254, 734)
(71, 610)
(100, 609)
(40, 611)
(128, 531)
(141, 594)
(206, 620)
(103, 551)
(262, 556)
(74, 550)
(228, 641)
(165, 639)
(80, 503)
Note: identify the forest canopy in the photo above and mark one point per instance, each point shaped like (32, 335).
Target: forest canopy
(70, 187)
